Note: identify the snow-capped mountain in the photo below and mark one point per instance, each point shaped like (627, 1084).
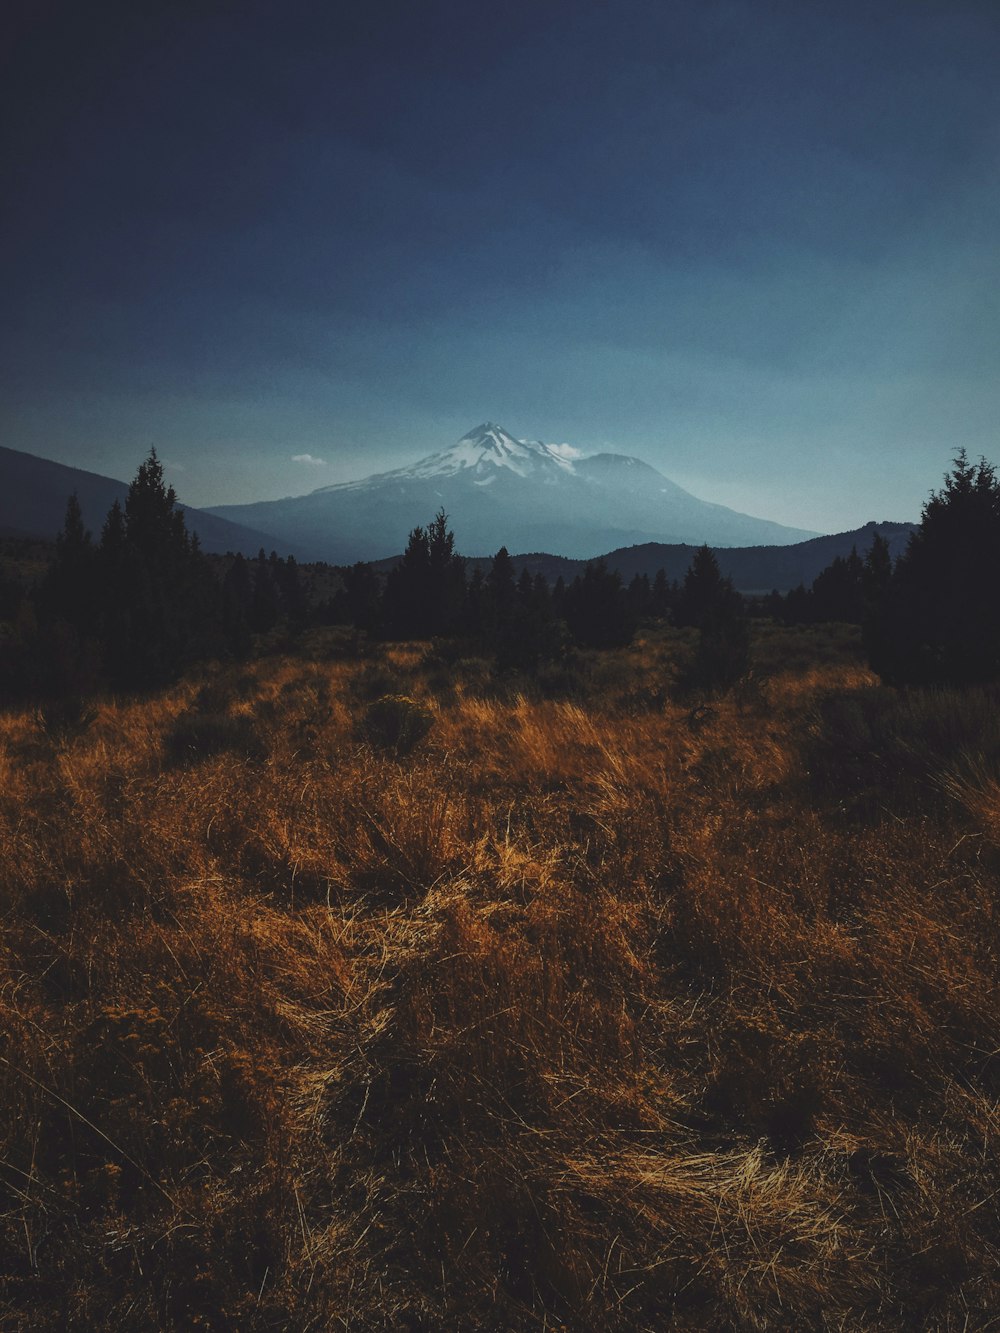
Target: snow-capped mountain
(478, 456)
(499, 491)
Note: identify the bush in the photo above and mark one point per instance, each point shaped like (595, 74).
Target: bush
(375, 681)
(722, 657)
(200, 735)
(65, 719)
(396, 723)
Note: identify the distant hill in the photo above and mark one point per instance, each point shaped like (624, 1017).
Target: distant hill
(33, 494)
(752, 568)
(761, 568)
(499, 491)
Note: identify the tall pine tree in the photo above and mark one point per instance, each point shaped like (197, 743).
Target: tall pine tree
(939, 618)
(162, 605)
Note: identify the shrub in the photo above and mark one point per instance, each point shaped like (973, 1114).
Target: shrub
(375, 681)
(200, 735)
(65, 719)
(215, 696)
(722, 657)
(396, 723)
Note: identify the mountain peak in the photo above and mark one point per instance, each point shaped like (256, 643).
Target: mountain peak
(487, 451)
(486, 429)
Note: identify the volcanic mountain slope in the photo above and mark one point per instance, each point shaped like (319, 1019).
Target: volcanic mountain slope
(499, 491)
(34, 491)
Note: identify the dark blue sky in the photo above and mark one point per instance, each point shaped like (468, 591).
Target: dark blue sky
(754, 243)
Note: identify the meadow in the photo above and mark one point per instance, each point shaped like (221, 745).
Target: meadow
(594, 1007)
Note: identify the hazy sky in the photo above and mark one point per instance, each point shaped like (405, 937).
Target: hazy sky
(754, 243)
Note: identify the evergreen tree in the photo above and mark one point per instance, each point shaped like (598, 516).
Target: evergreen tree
(446, 572)
(264, 596)
(876, 583)
(662, 601)
(705, 591)
(558, 592)
(500, 581)
(406, 600)
(640, 597)
(68, 590)
(362, 604)
(526, 633)
(838, 592)
(877, 574)
(473, 619)
(293, 597)
(939, 620)
(237, 595)
(161, 603)
(54, 649)
(499, 601)
(114, 581)
(798, 608)
(710, 602)
(597, 609)
(424, 594)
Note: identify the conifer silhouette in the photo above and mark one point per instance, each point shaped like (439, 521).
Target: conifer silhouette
(939, 619)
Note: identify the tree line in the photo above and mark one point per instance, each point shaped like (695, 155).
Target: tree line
(522, 622)
(139, 605)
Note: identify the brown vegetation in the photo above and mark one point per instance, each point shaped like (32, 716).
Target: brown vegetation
(592, 1011)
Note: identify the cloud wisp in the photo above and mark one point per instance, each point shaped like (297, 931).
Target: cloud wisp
(309, 459)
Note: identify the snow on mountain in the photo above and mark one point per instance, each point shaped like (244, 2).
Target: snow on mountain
(500, 491)
(478, 455)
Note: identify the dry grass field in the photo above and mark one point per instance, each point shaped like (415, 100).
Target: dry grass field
(595, 1010)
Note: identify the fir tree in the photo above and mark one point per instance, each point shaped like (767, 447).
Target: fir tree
(662, 602)
(361, 598)
(161, 601)
(597, 609)
(499, 601)
(68, 591)
(237, 596)
(424, 594)
(710, 602)
(264, 595)
(705, 591)
(838, 592)
(293, 598)
(939, 621)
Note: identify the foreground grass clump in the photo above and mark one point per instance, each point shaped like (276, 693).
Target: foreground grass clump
(396, 724)
(593, 1011)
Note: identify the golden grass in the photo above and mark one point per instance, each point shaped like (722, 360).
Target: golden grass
(592, 1013)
